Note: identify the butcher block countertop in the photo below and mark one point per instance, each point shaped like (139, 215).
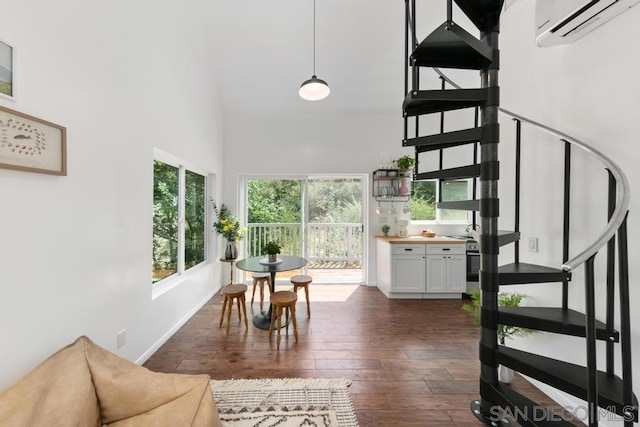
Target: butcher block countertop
(420, 240)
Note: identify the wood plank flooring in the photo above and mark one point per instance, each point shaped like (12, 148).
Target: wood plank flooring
(412, 362)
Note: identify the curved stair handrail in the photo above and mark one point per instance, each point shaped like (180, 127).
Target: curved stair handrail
(622, 195)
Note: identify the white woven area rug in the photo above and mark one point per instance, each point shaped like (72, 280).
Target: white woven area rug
(289, 402)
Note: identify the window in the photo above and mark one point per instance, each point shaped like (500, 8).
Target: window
(424, 195)
(194, 219)
(423, 201)
(179, 218)
(165, 220)
(319, 217)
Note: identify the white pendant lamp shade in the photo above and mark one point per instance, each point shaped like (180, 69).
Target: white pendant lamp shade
(314, 89)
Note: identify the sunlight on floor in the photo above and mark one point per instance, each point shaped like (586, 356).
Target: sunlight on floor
(328, 293)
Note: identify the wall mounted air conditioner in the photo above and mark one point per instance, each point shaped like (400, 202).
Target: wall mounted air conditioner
(565, 21)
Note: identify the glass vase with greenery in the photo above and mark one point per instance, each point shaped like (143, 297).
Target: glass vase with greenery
(229, 228)
(227, 225)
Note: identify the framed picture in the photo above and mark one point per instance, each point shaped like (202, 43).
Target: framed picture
(7, 66)
(30, 144)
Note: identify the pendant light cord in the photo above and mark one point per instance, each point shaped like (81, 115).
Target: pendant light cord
(314, 37)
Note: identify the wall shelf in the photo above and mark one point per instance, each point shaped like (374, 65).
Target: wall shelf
(391, 185)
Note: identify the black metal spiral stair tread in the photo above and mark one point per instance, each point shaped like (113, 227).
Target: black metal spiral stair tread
(553, 319)
(506, 237)
(522, 273)
(450, 46)
(528, 412)
(444, 140)
(568, 377)
(479, 11)
(462, 172)
(436, 101)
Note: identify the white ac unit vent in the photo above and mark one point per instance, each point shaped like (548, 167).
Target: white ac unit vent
(565, 21)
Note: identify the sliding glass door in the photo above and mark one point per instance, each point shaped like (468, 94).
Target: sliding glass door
(317, 217)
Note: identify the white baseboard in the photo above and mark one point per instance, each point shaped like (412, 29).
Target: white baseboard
(147, 354)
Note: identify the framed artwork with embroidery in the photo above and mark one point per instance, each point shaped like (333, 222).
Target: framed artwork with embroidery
(31, 144)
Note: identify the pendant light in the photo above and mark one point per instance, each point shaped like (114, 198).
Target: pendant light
(314, 89)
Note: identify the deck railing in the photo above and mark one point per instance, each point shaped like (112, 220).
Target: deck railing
(325, 242)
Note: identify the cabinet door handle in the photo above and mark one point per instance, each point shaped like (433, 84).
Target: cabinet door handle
(446, 249)
(408, 249)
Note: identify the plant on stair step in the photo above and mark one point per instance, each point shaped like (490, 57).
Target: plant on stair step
(505, 299)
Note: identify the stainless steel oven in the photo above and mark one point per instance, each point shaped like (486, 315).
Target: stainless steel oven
(473, 265)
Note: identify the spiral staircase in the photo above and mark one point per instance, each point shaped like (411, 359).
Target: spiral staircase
(451, 46)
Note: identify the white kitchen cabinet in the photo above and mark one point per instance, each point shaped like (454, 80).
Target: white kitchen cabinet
(408, 268)
(445, 273)
(446, 269)
(421, 270)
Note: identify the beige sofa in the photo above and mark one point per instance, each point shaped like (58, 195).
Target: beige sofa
(85, 385)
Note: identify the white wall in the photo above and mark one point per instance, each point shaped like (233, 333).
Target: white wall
(588, 90)
(75, 252)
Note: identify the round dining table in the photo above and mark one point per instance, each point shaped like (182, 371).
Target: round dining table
(260, 264)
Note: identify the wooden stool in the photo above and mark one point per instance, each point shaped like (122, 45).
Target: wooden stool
(302, 281)
(261, 279)
(230, 292)
(283, 300)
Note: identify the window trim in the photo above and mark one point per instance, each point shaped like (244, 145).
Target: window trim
(176, 279)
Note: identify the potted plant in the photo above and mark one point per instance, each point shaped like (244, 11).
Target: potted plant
(272, 249)
(385, 229)
(405, 163)
(505, 299)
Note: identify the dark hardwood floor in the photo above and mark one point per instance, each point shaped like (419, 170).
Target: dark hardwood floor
(412, 362)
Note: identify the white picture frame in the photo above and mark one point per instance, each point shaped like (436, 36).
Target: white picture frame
(7, 70)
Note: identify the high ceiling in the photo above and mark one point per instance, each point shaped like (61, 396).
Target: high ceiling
(264, 51)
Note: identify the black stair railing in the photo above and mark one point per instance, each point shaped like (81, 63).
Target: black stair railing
(618, 203)
(621, 203)
(566, 220)
(516, 227)
(625, 318)
(611, 260)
